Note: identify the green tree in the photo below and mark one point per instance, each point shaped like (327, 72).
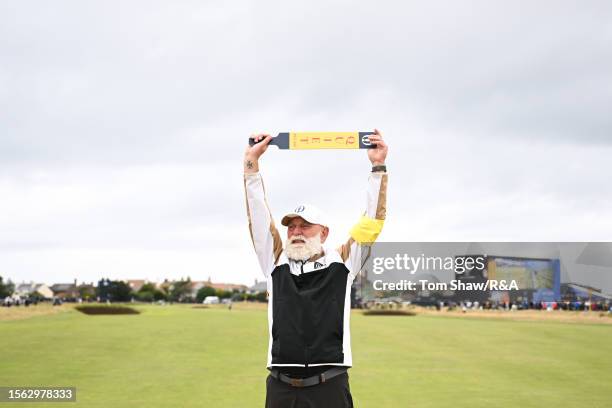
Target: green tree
(36, 296)
(180, 291)
(224, 294)
(147, 287)
(115, 291)
(121, 292)
(87, 292)
(261, 297)
(203, 292)
(148, 293)
(144, 296)
(256, 297)
(6, 289)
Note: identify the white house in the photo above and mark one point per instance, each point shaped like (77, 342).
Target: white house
(24, 290)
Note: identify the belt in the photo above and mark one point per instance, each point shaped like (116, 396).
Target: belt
(309, 381)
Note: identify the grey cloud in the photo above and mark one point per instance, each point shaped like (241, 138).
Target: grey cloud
(109, 82)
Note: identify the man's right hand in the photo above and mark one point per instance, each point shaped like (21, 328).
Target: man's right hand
(253, 153)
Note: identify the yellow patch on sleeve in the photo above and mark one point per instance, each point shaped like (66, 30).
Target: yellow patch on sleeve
(367, 229)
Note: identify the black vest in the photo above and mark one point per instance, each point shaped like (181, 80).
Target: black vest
(308, 315)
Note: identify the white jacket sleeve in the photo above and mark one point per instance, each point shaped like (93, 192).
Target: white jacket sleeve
(370, 225)
(265, 236)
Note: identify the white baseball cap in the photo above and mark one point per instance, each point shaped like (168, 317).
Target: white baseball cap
(308, 212)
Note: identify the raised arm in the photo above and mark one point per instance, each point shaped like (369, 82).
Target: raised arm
(369, 226)
(265, 236)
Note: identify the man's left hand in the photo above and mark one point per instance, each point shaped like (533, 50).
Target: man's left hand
(378, 154)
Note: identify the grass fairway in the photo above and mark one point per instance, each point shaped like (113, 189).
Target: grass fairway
(178, 356)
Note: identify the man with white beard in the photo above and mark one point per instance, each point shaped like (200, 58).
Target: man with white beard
(309, 287)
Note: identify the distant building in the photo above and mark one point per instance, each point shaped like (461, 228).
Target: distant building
(136, 284)
(196, 286)
(25, 290)
(226, 286)
(258, 287)
(65, 290)
(230, 287)
(164, 286)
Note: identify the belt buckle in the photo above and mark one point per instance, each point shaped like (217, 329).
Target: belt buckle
(297, 382)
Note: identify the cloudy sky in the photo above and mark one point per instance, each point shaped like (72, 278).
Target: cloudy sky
(123, 125)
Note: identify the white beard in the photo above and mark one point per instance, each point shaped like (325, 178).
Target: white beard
(303, 251)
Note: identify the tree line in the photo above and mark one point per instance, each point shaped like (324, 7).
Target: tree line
(177, 291)
(120, 291)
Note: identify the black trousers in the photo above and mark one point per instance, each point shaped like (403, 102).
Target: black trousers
(333, 393)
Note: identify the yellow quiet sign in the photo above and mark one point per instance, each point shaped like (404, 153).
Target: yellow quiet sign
(321, 140)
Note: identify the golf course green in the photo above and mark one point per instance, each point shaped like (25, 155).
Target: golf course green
(180, 356)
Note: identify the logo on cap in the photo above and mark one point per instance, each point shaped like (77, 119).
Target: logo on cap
(299, 209)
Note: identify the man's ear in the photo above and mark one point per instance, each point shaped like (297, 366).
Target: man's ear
(324, 234)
